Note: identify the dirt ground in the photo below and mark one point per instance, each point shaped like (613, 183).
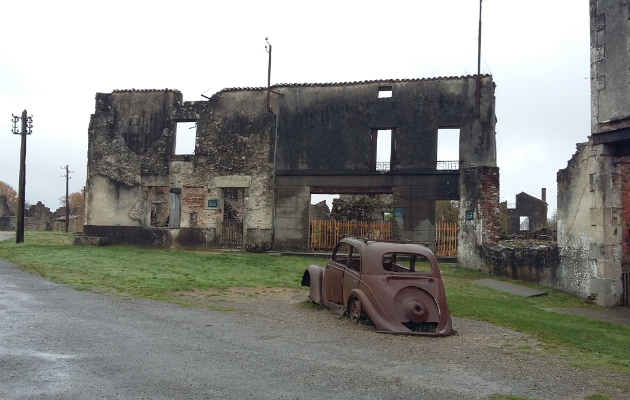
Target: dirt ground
(513, 358)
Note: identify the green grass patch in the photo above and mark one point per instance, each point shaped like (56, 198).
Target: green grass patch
(144, 272)
(598, 396)
(588, 343)
(155, 274)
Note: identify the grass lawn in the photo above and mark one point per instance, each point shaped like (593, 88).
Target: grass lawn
(155, 273)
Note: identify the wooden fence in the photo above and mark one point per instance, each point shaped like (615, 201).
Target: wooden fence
(326, 234)
(446, 239)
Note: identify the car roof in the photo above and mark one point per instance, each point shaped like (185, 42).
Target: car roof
(372, 251)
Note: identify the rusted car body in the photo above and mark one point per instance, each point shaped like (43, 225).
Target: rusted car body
(397, 285)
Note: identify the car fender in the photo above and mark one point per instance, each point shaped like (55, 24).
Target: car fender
(380, 322)
(313, 278)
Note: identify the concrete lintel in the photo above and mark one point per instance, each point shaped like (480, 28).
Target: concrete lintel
(232, 181)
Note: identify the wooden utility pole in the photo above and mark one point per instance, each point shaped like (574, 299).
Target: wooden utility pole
(27, 126)
(68, 177)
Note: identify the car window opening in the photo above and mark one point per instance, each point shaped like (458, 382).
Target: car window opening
(406, 263)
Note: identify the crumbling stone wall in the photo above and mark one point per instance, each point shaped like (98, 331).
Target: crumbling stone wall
(480, 200)
(5, 215)
(589, 222)
(624, 166)
(323, 141)
(319, 211)
(38, 217)
(526, 206)
(590, 214)
(530, 262)
(361, 207)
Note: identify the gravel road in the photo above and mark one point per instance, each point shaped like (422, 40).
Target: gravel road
(59, 343)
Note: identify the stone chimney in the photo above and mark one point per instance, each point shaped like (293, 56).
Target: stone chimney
(543, 195)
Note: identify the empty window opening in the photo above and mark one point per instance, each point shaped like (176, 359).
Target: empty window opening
(524, 223)
(383, 150)
(448, 149)
(447, 211)
(185, 137)
(321, 206)
(384, 92)
(333, 216)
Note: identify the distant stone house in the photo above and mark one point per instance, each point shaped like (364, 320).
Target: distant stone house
(528, 214)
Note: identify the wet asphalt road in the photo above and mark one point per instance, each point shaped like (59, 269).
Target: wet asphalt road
(59, 343)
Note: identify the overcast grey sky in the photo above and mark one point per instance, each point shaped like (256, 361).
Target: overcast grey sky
(57, 55)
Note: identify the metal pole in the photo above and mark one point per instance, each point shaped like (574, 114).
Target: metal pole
(67, 206)
(273, 198)
(269, 79)
(478, 112)
(19, 234)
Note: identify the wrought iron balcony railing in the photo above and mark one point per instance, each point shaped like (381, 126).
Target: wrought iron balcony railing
(382, 166)
(448, 165)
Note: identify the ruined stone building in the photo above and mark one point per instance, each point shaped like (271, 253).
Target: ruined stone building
(594, 190)
(140, 191)
(528, 214)
(350, 207)
(38, 217)
(319, 211)
(5, 214)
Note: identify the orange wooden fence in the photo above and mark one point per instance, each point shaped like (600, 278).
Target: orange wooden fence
(326, 234)
(446, 239)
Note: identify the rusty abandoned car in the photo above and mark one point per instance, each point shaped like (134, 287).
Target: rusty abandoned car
(397, 285)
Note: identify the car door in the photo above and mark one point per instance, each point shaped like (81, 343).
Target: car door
(352, 273)
(332, 285)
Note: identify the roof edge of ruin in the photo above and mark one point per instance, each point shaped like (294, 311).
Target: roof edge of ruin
(325, 84)
(354, 83)
(144, 90)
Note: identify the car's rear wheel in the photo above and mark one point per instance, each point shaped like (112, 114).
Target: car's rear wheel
(355, 309)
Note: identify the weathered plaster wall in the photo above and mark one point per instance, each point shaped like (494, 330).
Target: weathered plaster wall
(131, 141)
(130, 135)
(324, 141)
(590, 201)
(328, 128)
(625, 202)
(590, 224)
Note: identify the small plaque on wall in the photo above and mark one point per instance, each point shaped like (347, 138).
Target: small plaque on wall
(470, 215)
(212, 203)
(399, 212)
